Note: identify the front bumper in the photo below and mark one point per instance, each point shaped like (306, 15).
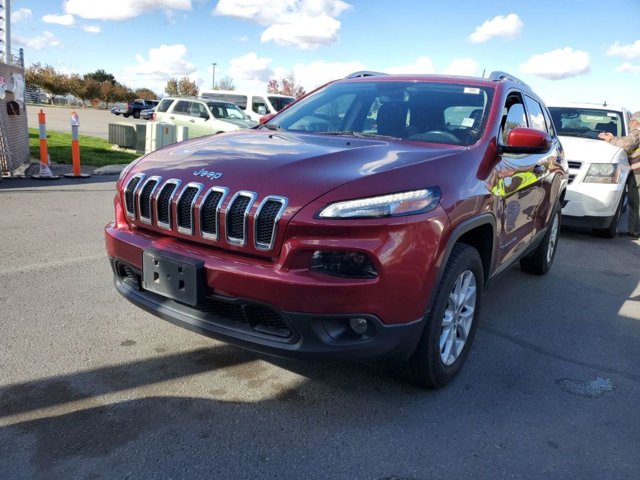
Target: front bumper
(591, 205)
(265, 329)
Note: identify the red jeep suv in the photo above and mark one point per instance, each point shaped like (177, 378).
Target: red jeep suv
(362, 222)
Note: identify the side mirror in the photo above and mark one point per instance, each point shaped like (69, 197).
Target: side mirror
(526, 140)
(262, 110)
(204, 115)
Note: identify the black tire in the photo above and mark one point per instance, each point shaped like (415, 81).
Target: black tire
(540, 260)
(426, 366)
(125, 115)
(612, 230)
(136, 114)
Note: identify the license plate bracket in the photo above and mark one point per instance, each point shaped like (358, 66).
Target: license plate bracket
(173, 276)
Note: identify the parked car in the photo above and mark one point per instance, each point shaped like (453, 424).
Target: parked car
(147, 113)
(118, 108)
(362, 222)
(254, 105)
(598, 171)
(202, 116)
(135, 108)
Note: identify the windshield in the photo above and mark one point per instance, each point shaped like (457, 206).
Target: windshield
(452, 114)
(226, 110)
(586, 122)
(280, 102)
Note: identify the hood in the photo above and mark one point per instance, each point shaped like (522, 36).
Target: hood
(301, 167)
(588, 150)
(242, 123)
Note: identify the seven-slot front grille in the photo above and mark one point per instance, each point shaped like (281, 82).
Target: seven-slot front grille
(196, 211)
(130, 192)
(144, 199)
(185, 207)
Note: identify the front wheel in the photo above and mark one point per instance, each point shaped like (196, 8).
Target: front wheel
(612, 230)
(452, 322)
(136, 114)
(540, 260)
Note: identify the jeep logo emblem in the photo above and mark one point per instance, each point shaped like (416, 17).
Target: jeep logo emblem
(208, 174)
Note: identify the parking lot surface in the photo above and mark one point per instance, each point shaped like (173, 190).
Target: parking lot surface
(92, 387)
(94, 123)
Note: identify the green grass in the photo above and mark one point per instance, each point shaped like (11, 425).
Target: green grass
(94, 151)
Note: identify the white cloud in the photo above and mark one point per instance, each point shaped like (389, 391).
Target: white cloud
(92, 28)
(20, 15)
(508, 27)
(165, 61)
(58, 19)
(40, 42)
(422, 65)
(628, 67)
(314, 74)
(303, 31)
(251, 68)
(626, 51)
(121, 9)
(558, 64)
(305, 24)
(462, 66)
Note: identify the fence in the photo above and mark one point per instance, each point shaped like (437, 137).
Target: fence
(14, 130)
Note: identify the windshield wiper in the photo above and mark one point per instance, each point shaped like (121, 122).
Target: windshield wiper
(271, 126)
(360, 134)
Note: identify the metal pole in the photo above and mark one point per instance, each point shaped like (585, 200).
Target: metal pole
(7, 32)
(213, 76)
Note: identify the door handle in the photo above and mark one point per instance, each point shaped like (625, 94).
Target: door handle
(192, 120)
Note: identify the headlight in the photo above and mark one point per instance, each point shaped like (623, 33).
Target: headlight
(394, 204)
(603, 173)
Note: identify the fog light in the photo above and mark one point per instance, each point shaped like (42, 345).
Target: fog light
(358, 325)
(343, 264)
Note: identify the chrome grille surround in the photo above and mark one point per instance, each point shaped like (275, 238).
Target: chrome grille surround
(133, 185)
(188, 188)
(230, 215)
(221, 194)
(273, 199)
(147, 190)
(174, 184)
(198, 211)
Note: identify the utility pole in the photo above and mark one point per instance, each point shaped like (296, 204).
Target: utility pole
(213, 76)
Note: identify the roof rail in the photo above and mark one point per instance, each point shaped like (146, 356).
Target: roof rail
(498, 75)
(365, 73)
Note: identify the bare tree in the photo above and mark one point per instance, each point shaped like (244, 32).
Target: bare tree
(145, 93)
(187, 87)
(172, 87)
(226, 84)
(288, 85)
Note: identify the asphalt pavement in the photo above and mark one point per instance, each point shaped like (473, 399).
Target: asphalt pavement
(93, 387)
(94, 123)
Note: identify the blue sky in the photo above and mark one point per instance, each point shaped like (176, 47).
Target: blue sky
(567, 50)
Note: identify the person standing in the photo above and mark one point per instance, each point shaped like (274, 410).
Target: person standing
(630, 144)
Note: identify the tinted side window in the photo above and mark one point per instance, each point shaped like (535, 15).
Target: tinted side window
(257, 103)
(514, 116)
(536, 117)
(197, 109)
(182, 107)
(164, 105)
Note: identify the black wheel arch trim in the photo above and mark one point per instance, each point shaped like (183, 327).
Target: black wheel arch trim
(456, 234)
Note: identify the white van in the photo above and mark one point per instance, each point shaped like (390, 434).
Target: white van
(255, 105)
